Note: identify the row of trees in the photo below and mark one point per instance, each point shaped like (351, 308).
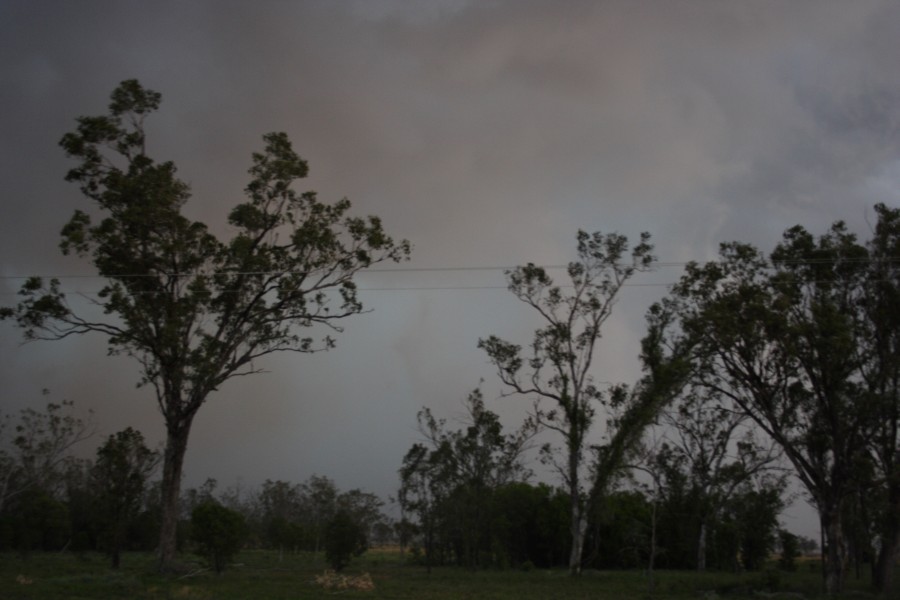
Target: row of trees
(467, 486)
(466, 501)
(313, 516)
(750, 361)
(806, 344)
(803, 344)
(53, 500)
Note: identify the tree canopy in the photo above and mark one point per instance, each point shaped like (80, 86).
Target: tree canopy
(804, 343)
(559, 372)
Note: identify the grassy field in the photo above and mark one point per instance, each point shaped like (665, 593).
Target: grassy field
(260, 575)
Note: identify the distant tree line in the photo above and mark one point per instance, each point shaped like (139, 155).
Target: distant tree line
(466, 501)
(53, 501)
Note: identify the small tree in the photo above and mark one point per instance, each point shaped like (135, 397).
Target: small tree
(39, 449)
(424, 485)
(755, 512)
(219, 533)
(476, 461)
(364, 508)
(453, 478)
(279, 507)
(318, 504)
(712, 443)
(879, 357)
(345, 537)
(807, 545)
(120, 474)
(790, 550)
(559, 370)
(39, 522)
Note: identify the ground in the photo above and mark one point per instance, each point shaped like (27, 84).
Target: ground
(260, 575)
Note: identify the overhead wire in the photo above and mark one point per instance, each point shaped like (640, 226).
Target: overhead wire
(446, 269)
(653, 264)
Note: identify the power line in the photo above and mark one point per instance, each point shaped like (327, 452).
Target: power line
(428, 288)
(421, 288)
(394, 270)
(263, 273)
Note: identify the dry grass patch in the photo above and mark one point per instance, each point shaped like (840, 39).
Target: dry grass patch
(332, 581)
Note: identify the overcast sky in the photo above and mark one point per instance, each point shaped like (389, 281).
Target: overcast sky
(485, 132)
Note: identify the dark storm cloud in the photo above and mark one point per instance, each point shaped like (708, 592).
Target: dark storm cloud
(486, 132)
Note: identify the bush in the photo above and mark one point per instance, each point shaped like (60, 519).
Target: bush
(219, 533)
(790, 550)
(40, 522)
(344, 539)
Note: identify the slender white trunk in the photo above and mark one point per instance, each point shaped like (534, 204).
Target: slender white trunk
(578, 529)
(173, 461)
(701, 546)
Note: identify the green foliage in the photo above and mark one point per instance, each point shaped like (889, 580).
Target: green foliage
(283, 534)
(36, 467)
(294, 518)
(619, 536)
(39, 522)
(345, 537)
(529, 525)
(319, 503)
(364, 508)
(711, 452)
(81, 500)
(755, 514)
(37, 456)
(219, 533)
(448, 486)
(120, 475)
(790, 550)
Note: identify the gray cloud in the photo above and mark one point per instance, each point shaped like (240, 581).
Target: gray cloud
(486, 133)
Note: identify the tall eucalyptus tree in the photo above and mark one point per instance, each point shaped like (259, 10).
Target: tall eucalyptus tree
(559, 374)
(191, 309)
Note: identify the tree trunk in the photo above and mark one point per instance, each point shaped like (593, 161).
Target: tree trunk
(890, 542)
(429, 546)
(173, 461)
(835, 552)
(701, 546)
(578, 528)
(577, 506)
(118, 539)
(652, 560)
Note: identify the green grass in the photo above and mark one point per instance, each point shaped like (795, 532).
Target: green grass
(260, 575)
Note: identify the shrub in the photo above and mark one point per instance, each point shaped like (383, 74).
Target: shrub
(344, 539)
(219, 533)
(790, 550)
